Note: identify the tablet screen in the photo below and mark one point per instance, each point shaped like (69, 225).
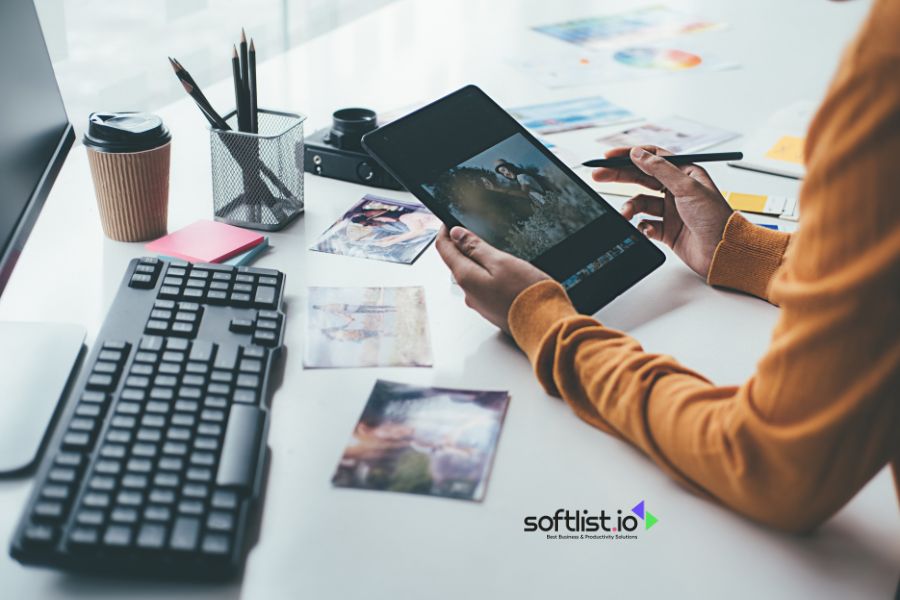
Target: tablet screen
(514, 198)
(472, 164)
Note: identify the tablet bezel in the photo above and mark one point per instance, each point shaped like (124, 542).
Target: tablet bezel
(596, 289)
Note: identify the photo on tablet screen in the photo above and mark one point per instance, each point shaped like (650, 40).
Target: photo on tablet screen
(515, 198)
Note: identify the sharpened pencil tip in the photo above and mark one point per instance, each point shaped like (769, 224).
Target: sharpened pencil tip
(234, 53)
(252, 46)
(243, 36)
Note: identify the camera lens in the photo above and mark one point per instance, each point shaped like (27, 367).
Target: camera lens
(349, 125)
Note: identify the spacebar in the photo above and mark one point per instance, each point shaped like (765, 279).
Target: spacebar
(237, 465)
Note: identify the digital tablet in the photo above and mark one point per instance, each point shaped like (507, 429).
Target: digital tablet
(472, 164)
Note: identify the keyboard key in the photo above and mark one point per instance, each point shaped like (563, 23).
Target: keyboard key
(151, 536)
(240, 451)
(69, 459)
(87, 410)
(186, 329)
(177, 344)
(226, 358)
(265, 296)
(183, 420)
(216, 543)
(225, 499)
(245, 396)
(241, 325)
(147, 357)
(48, 511)
(216, 402)
(149, 420)
(76, 440)
(185, 534)
(84, 536)
(190, 507)
(160, 314)
(254, 352)
(100, 381)
(139, 465)
(108, 467)
(106, 367)
(134, 482)
(171, 463)
(141, 281)
(170, 368)
(89, 517)
(162, 496)
(173, 356)
(56, 492)
(165, 479)
(202, 351)
(40, 534)
(189, 306)
(199, 474)
(96, 500)
(267, 324)
(129, 498)
(94, 397)
(220, 521)
(248, 381)
(154, 343)
(145, 370)
(61, 475)
(209, 429)
(128, 516)
(113, 451)
(157, 513)
(251, 365)
(265, 338)
(117, 536)
(102, 483)
(195, 490)
(157, 326)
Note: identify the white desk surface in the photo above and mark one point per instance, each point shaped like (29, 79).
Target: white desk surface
(320, 542)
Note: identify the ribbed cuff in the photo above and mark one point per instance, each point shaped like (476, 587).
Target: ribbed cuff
(534, 312)
(747, 257)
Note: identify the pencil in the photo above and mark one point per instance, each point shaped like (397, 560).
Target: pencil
(194, 91)
(675, 159)
(236, 73)
(254, 117)
(245, 89)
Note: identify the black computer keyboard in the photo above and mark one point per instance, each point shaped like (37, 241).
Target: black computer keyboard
(156, 460)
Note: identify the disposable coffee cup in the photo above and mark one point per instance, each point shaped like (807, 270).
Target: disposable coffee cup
(129, 154)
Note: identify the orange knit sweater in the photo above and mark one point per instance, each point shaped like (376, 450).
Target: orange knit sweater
(821, 415)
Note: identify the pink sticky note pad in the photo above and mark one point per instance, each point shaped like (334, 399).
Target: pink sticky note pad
(205, 241)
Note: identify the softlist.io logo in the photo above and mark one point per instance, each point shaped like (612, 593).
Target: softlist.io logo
(603, 525)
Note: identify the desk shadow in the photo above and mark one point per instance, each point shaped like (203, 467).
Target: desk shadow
(838, 548)
(668, 291)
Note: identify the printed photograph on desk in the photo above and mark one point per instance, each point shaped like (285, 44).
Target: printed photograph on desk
(424, 440)
(675, 134)
(381, 229)
(367, 327)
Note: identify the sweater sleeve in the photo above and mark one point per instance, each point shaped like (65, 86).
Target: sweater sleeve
(819, 418)
(747, 257)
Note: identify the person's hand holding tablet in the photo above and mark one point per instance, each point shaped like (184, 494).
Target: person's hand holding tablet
(490, 278)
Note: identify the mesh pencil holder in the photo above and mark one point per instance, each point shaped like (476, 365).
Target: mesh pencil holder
(257, 178)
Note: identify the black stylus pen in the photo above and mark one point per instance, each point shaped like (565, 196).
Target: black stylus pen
(675, 159)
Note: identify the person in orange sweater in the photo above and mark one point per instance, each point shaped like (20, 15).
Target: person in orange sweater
(821, 415)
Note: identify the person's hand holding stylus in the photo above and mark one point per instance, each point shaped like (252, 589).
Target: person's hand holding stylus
(690, 218)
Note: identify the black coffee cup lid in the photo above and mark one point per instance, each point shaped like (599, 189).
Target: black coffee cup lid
(125, 132)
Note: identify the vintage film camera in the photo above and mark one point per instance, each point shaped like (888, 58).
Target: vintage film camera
(336, 152)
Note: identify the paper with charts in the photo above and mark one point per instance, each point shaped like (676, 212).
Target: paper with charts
(424, 440)
(367, 327)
